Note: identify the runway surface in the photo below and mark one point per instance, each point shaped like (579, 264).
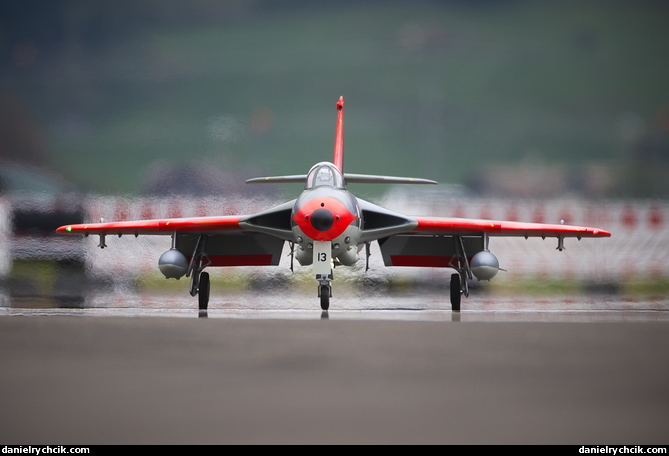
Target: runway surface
(401, 370)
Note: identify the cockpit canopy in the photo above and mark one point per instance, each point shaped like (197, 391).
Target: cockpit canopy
(324, 175)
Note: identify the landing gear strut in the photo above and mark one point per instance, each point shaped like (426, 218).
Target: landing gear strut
(323, 270)
(199, 281)
(460, 263)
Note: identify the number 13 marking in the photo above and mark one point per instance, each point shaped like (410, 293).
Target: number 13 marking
(322, 256)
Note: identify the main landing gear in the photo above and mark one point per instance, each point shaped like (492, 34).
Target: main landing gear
(456, 292)
(199, 285)
(199, 280)
(460, 263)
(203, 292)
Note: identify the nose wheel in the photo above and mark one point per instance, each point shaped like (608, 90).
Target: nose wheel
(324, 293)
(325, 290)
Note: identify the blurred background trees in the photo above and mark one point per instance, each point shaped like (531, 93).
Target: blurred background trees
(518, 98)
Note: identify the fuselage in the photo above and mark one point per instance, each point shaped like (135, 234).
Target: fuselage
(326, 211)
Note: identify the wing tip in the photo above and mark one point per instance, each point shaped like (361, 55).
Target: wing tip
(597, 232)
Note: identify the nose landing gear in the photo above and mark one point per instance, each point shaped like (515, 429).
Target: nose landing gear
(324, 290)
(323, 270)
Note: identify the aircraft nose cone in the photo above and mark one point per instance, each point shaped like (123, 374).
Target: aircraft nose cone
(322, 219)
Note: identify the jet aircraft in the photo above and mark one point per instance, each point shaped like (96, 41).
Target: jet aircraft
(327, 226)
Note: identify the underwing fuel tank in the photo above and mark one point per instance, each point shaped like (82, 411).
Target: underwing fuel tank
(173, 264)
(484, 265)
(348, 257)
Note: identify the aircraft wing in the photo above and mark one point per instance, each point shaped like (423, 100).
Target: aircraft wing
(436, 241)
(455, 226)
(234, 240)
(192, 225)
(382, 223)
(274, 221)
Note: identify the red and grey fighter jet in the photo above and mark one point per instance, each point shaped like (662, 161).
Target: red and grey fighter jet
(327, 226)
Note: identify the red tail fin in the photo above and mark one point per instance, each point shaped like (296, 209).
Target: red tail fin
(338, 159)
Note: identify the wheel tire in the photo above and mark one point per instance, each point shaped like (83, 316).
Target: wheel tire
(456, 295)
(203, 291)
(325, 297)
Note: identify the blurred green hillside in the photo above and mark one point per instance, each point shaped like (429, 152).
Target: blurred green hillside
(446, 90)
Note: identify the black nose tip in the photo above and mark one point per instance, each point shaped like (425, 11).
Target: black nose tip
(322, 219)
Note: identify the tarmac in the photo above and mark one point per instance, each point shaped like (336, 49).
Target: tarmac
(116, 378)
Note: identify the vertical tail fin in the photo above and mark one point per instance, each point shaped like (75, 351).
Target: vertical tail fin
(338, 159)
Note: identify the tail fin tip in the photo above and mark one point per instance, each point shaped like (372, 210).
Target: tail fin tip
(338, 159)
